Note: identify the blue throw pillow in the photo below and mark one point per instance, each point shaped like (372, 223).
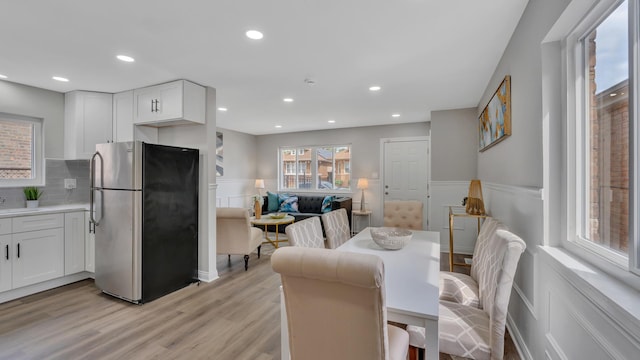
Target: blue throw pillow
(326, 203)
(273, 202)
(289, 203)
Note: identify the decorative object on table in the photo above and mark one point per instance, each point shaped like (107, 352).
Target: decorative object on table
(475, 204)
(259, 185)
(391, 238)
(363, 184)
(278, 215)
(32, 195)
(219, 153)
(258, 200)
(495, 119)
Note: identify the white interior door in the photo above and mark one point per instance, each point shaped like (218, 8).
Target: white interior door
(406, 172)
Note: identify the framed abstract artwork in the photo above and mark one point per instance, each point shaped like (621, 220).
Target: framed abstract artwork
(495, 120)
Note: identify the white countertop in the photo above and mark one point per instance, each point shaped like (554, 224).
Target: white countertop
(4, 213)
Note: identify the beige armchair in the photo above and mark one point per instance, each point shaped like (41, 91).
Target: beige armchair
(235, 235)
(335, 305)
(405, 214)
(478, 333)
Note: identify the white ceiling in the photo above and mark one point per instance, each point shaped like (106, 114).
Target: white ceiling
(425, 54)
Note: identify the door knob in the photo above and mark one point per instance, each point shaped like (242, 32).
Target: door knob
(386, 193)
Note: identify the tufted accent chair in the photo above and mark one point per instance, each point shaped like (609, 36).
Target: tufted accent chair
(405, 214)
(335, 306)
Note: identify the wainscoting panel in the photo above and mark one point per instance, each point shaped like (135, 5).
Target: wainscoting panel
(520, 208)
(443, 195)
(575, 328)
(235, 192)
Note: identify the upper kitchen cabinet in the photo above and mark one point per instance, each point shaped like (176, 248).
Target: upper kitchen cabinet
(87, 122)
(174, 103)
(123, 127)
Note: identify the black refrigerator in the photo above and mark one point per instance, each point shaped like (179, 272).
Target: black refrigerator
(144, 208)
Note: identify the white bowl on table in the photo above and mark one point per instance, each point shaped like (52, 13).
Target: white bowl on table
(391, 238)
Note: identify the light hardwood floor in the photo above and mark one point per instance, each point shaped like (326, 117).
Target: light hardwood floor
(235, 317)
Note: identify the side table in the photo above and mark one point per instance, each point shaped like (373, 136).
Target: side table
(452, 215)
(359, 214)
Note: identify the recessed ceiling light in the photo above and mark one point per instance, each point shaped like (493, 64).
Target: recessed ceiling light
(125, 58)
(287, 100)
(222, 109)
(375, 88)
(395, 115)
(3, 76)
(58, 78)
(613, 94)
(278, 126)
(331, 121)
(254, 35)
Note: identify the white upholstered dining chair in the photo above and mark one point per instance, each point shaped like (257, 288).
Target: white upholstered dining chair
(336, 227)
(306, 233)
(406, 214)
(478, 332)
(335, 306)
(235, 235)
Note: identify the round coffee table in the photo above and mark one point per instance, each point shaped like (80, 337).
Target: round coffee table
(266, 220)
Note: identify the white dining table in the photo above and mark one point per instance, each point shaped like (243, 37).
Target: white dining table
(411, 283)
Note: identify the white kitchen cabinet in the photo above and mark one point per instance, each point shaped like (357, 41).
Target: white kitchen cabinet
(74, 242)
(39, 256)
(5, 263)
(174, 103)
(37, 249)
(123, 127)
(90, 246)
(87, 122)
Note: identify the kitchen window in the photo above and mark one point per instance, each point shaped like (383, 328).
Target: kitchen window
(22, 156)
(605, 134)
(312, 168)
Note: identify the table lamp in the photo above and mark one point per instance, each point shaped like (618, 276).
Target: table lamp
(363, 184)
(259, 185)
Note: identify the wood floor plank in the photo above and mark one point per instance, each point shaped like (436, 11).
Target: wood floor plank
(235, 317)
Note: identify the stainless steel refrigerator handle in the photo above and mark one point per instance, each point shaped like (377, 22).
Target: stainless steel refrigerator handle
(93, 185)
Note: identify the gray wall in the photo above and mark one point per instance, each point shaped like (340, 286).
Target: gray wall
(240, 152)
(365, 141)
(454, 145)
(35, 102)
(518, 159)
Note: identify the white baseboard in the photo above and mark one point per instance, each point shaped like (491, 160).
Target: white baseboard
(523, 350)
(206, 277)
(43, 286)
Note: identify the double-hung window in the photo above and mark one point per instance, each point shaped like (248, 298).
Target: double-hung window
(605, 173)
(21, 151)
(312, 168)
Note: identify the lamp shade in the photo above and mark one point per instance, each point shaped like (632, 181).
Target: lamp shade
(363, 183)
(259, 183)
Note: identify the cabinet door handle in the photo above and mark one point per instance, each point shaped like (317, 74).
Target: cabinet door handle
(18, 250)
(6, 252)
(152, 101)
(157, 102)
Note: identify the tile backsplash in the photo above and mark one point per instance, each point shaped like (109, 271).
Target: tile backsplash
(54, 192)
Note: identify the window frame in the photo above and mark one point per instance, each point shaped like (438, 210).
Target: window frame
(38, 162)
(577, 141)
(313, 168)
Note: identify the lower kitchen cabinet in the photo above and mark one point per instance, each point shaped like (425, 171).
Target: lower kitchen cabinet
(90, 246)
(39, 256)
(74, 234)
(5, 263)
